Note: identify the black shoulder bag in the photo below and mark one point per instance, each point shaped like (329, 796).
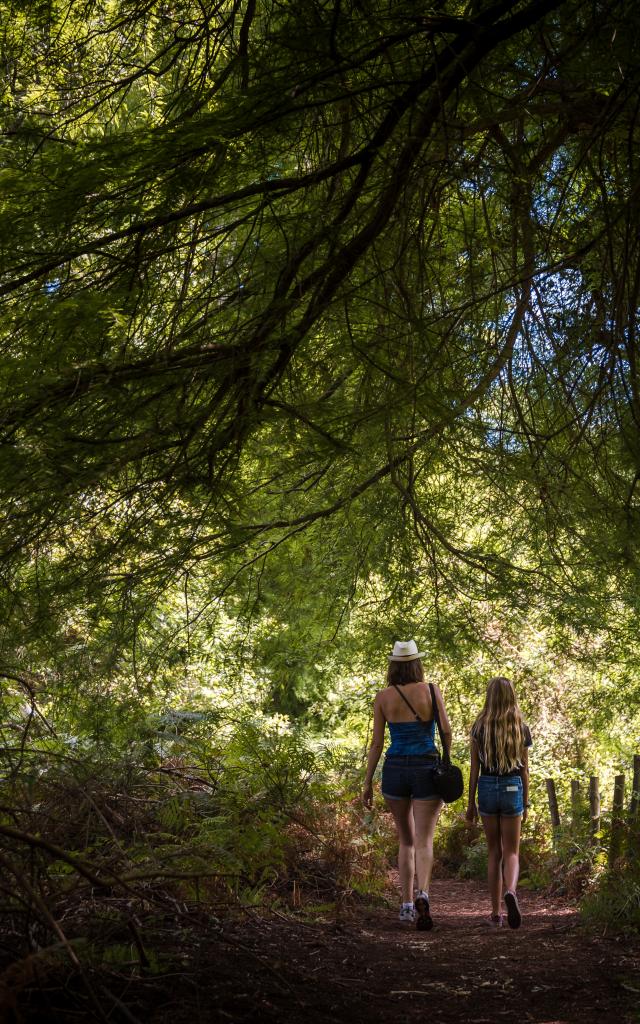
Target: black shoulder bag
(447, 777)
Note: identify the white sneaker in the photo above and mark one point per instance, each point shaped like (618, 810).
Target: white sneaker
(407, 915)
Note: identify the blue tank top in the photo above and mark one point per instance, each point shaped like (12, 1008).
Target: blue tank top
(411, 738)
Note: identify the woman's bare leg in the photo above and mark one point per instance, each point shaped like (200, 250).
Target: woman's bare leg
(403, 818)
(491, 825)
(425, 815)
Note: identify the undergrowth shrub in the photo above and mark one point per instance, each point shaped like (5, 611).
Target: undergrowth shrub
(611, 894)
(111, 854)
(612, 900)
(460, 850)
(252, 816)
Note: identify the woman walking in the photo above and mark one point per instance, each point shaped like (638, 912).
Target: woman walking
(406, 706)
(499, 756)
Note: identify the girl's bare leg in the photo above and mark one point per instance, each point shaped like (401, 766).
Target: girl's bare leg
(425, 814)
(403, 818)
(491, 825)
(510, 833)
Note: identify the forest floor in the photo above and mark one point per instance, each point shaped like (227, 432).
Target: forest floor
(367, 967)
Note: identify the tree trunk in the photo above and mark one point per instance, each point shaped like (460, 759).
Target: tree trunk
(575, 807)
(553, 805)
(617, 820)
(634, 811)
(634, 803)
(594, 808)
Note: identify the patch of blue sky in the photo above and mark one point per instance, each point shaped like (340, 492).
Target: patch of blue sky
(562, 295)
(553, 189)
(501, 437)
(566, 284)
(476, 188)
(496, 433)
(53, 286)
(563, 303)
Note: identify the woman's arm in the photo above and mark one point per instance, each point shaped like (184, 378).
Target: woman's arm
(444, 721)
(524, 772)
(472, 810)
(377, 743)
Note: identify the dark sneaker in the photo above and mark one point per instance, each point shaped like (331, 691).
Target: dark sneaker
(514, 917)
(424, 922)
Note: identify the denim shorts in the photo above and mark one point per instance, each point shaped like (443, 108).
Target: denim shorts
(500, 794)
(409, 777)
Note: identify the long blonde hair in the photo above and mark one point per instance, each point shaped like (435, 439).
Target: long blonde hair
(499, 728)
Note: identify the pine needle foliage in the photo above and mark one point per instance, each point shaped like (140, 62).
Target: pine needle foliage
(357, 275)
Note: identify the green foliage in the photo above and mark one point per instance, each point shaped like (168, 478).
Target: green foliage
(289, 341)
(461, 849)
(614, 901)
(250, 811)
(318, 328)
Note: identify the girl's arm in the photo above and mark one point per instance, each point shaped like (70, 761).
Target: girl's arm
(524, 772)
(444, 720)
(377, 743)
(472, 810)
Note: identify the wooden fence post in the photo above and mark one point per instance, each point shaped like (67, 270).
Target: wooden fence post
(594, 808)
(617, 821)
(553, 806)
(635, 789)
(575, 807)
(634, 811)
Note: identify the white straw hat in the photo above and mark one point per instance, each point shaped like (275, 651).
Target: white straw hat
(405, 650)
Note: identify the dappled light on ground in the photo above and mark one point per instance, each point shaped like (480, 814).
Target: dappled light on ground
(360, 966)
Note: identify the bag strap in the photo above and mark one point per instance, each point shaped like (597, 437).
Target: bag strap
(436, 714)
(408, 703)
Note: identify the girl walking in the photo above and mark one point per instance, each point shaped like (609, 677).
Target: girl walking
(499, 768)
(406, 706)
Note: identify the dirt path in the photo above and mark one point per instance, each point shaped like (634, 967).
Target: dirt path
(370, 968)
